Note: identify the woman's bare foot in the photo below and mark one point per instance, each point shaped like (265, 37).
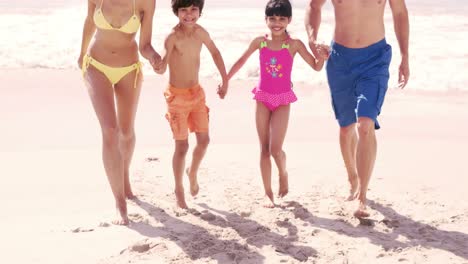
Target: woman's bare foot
(180, 197)
(283, 185)
(122, 218)
(269, 200)
(354, 188)
(194, 188)
(128, 191)
(129, 195)
(361, 212)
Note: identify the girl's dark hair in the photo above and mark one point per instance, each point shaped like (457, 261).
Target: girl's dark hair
(176, 4)
(278, 8)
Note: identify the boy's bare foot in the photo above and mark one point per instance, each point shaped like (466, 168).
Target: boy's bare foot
(122, 218)
(354, 188)
(180, 197)
(361, 212)
(194, 188)
(268, 200)
(283, 185)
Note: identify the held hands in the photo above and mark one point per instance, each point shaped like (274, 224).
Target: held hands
(222, 89)
(157, 63)
(323, 51)
(320, 50)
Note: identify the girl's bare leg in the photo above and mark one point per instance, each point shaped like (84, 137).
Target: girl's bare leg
(262, 117)
(279, 126)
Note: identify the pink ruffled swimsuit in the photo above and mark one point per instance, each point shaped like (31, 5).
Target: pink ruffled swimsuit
(274, 87)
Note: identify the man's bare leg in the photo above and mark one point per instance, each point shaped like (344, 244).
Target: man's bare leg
(178, 164)
(348, 145)
(365, 160)
(203, 140)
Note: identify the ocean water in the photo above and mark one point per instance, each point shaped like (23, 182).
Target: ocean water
(47, 34)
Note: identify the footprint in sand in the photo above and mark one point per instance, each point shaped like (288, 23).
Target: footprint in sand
(104, 224)
(152, 159)
(140, 246)
(82, 230)
(207, 216)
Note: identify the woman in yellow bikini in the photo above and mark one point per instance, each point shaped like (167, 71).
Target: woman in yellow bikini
(112, 73)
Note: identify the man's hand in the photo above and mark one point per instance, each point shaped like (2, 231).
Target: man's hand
(403, 73)
(323, 51)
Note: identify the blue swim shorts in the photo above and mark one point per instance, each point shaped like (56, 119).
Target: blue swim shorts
(358, 80)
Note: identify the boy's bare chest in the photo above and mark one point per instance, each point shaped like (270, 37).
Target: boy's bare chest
(189, 47)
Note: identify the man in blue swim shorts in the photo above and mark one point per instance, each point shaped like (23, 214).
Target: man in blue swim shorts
(358, 73)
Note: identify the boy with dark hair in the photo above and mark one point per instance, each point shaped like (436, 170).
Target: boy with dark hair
(185, 97)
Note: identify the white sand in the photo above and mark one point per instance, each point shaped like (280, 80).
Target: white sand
(57, 203)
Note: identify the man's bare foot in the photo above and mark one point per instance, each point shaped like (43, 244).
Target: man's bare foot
(268, 200)
(361, 212)
(354, 188)
(122, 218)
(283, 185)
(194, 188)
(180, 197)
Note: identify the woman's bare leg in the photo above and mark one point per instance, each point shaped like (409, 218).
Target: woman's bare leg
(127, 103)
(101, 93)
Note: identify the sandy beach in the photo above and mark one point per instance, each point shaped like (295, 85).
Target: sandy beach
(57, 205)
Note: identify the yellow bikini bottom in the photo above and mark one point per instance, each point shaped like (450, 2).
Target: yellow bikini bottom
(113, 74)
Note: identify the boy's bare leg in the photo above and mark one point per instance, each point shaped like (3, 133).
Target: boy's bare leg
(178, 165)
(279, 126)
(101, 93)
(262, 117)
(203, 139)
(348, 145)
(366, 154)
(127, 102)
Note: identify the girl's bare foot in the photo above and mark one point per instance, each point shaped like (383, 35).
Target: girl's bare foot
(268, 200)
(283, 185)
(180, 197)
(122, 218)
(361, 212)
(194, 188)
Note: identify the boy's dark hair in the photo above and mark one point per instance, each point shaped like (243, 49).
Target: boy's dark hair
(278, 8)
(176, 4)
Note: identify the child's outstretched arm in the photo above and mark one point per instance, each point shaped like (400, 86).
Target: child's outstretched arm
(254, 45)
(160, 68)
(315, 63)
(218, 60)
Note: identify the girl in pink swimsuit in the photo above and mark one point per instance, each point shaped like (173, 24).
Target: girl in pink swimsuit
(274, 93)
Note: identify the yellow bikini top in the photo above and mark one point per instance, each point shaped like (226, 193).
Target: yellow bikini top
(130, 27)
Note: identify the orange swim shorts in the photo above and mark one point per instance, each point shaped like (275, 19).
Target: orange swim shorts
(186, 110)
